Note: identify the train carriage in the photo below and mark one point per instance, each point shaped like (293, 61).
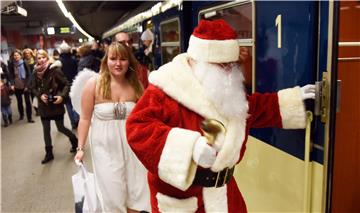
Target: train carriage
(290, 43)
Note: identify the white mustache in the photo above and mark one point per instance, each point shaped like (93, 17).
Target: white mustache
(224, 87)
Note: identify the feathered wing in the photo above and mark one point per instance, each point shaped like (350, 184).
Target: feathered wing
(77, 87)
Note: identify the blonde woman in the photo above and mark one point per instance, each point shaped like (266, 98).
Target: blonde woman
(29, 58)
(107, 99)
(51, 88)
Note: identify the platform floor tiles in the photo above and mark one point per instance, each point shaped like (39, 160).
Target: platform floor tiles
(26, 184)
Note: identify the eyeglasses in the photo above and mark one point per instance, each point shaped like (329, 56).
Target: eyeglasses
(225, 66)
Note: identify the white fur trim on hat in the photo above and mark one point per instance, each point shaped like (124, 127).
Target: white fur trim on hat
(213, 51)
(292, 109)
(177, 167)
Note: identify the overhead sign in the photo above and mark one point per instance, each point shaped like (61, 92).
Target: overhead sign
(61, 30)
(65, 30)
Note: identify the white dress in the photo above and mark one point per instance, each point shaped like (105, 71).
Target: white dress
(121, 179)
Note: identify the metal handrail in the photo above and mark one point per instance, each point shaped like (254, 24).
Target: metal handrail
(349, 44)
(307, 166)
(349, 59)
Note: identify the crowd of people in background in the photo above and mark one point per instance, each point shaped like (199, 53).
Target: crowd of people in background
(16, 72)
(42, 81)
(133, 133)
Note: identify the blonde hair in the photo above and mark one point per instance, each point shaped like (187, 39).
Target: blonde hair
(105, 77)
(28, 50)
(43, 53)
(16, 51)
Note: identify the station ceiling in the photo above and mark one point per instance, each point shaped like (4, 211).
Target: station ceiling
(95, 17)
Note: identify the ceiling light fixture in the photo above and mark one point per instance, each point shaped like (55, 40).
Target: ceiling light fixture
(50, 30)
(72, 19)
(153, 11)
(12, 8)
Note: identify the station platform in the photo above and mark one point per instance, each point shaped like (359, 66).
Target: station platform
(26, 184)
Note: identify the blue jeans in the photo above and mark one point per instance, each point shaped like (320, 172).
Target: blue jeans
(73, 116)
(6, 112)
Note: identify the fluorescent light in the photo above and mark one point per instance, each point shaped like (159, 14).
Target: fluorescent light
(50, 31)
(72, 19)
(21, 11)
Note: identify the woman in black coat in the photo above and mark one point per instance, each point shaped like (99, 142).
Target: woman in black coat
(51, 88)
(20, 77)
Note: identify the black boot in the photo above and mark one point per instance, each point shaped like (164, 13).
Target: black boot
(74, 144)
(36, 111)
(10, 119)
(6, 123)
(49, 155)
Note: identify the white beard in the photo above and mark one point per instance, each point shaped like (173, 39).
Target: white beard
(225, 89)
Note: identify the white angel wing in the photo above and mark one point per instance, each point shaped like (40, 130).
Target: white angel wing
(77, 87)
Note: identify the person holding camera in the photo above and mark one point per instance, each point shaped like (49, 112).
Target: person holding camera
(51, 88)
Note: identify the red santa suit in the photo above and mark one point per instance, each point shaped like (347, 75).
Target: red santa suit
(165, 124)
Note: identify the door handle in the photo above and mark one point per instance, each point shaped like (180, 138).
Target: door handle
(317, 108)
(322, 97)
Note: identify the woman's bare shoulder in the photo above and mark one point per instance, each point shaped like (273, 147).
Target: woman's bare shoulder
(91, 84)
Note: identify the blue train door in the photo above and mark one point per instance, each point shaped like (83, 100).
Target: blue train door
(288, 177)
(282, 170)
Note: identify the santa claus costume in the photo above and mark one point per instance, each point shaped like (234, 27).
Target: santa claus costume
(165, 125)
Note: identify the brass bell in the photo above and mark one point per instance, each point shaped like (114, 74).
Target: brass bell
(211, 128)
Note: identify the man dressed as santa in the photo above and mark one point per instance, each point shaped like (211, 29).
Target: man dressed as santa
(185, 172)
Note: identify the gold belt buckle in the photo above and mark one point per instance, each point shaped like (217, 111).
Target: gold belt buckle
(217, 178)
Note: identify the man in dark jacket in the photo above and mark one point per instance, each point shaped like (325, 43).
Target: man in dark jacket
(69, 68)
(87, 60)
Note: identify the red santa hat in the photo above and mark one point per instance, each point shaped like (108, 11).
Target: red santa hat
(214, 42)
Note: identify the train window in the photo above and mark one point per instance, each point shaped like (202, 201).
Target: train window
(240, 16)
(170, 39)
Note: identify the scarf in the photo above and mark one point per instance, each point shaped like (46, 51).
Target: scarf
(40, 69)
(30, 61)
(21, 69)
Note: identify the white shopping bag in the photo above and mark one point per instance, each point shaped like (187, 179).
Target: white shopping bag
(35, 102)
(84, 191)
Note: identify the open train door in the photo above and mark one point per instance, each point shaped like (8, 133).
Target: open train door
(287, 170)
(343, 193)
(290, 44)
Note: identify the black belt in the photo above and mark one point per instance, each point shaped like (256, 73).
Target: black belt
(207, 178)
